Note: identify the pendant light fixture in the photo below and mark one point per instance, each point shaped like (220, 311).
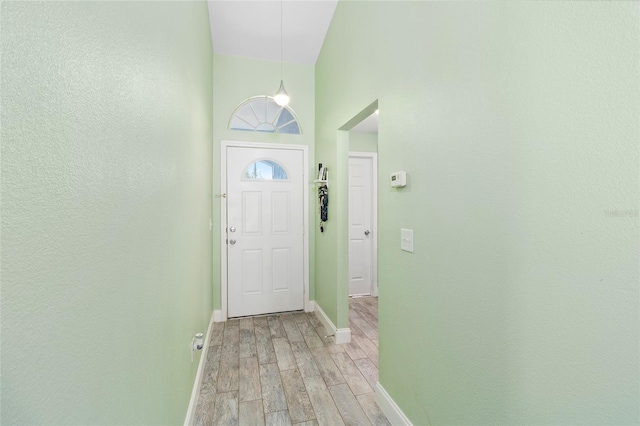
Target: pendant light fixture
(281, 97)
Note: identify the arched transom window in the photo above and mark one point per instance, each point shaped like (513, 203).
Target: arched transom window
(265, 170)
(263, 114)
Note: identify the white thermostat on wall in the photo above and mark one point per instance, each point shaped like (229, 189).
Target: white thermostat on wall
(398, 179)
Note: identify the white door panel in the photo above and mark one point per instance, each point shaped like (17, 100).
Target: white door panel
(360, 225)
(265, 231)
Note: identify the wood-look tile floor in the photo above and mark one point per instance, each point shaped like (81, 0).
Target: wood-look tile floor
(282, 370)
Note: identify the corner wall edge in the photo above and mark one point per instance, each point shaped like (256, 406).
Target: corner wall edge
(342, 335)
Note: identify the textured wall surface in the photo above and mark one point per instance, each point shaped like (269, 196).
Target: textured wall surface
(236, 80)
(363, 142)
(106, 199)
(517, 123)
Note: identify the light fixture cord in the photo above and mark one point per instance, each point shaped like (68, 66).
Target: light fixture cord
(281, 39)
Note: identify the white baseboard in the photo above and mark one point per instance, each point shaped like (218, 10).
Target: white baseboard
(309, 305)
(390, 409)
(217, 316)
(196, 386)
(343, 335)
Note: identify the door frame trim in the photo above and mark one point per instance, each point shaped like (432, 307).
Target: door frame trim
(224, 282)
(374, 218)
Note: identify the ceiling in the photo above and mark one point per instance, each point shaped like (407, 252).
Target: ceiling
(251, 29)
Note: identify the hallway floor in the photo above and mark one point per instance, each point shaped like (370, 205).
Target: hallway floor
(281, 370)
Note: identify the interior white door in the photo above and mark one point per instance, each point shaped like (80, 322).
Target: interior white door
(360, 225)
(265, 231)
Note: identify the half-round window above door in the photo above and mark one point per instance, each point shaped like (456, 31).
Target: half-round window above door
(265, 170)
(262, 114)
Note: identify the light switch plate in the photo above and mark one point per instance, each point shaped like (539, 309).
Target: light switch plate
(406, 239)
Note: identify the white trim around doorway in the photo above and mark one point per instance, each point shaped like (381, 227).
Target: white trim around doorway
(221, 315)
(374, 218)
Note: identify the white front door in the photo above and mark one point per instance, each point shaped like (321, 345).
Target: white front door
(265, 231)
(361, 205)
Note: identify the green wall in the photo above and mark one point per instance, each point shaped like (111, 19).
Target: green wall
(363, 142)
(235, 80)
(106, 199)
(517, 123)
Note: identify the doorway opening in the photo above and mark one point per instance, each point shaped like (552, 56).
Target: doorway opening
(363, 231)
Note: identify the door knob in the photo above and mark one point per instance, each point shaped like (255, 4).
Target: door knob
(232, 229)
(232, 242)
(366, 232)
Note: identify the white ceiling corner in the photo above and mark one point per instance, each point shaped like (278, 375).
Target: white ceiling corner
(251, 29)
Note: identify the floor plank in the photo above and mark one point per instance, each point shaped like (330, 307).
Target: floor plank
(264, 346)
(231, 339)
(226, 411)
(212, 364)
(273, 398)
(205, 406)
(322, 402)
(246, 323)
(228, 375)
(370, 317)
(357, 383)
(249, 379)
(304, 360)
(279, 418)
(291, 328)
(285, 358)
(247, 343)
(310, 336)
(355, 331)
(314, 320)
(353, 350)
(366, 329)
(300, 317)
(348, 406)
(208, 387)
(300, 408)
(368, 348)
(251, 413)
(260, 322)
(275, 325)
(368, 370)
(216, 334)
(334, 348)
(327, 367)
